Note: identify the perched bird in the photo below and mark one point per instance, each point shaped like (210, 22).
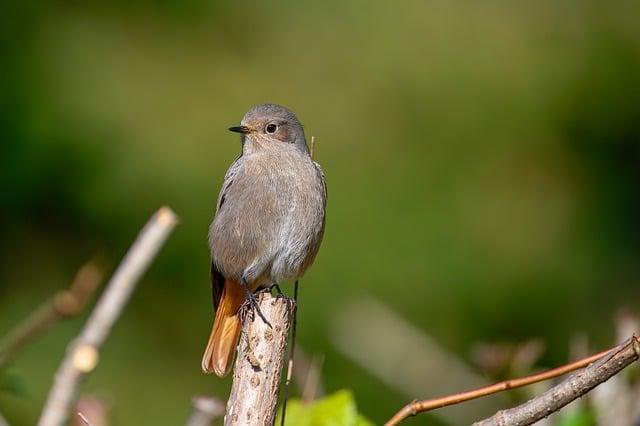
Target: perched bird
(268, 225)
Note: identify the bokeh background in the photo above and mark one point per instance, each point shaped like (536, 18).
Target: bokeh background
(482, 160)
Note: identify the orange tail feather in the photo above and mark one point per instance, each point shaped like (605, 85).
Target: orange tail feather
(223, 340)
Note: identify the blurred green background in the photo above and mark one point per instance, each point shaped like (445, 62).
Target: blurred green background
(482, 159)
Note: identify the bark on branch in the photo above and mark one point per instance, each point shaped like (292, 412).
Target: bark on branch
(258, 367)
(82, 353)
(570, 389)
(599, 368)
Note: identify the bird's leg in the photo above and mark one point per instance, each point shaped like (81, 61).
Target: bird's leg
(277, 287)
(253, 302)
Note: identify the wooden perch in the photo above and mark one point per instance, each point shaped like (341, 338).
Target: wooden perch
(258, 367)
(570, 389)
(82, 353)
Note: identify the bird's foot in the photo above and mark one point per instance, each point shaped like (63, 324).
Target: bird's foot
(278, 290)
(253, 302)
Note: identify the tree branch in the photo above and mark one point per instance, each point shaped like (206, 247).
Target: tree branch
(570, 389)
(416, 407)
(256, 375)
(82, 353)
(64, 304)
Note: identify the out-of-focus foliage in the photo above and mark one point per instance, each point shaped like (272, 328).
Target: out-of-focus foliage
(337, 409)
(577, 418)
(482, 160)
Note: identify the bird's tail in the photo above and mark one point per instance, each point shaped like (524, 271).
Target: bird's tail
(221, 347)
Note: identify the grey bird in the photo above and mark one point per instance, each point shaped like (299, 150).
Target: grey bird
(268, 225)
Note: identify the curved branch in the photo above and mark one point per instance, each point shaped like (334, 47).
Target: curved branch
(64, 304)
(416, 407)
(570, 389)
(83, 352)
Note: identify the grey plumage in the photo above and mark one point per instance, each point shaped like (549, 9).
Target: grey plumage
(270, 214)
(269, 222)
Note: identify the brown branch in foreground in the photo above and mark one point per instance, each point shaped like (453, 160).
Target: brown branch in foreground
(258, 367)
(64, 304)
(82, 353)
(416, 407)
(570, 389)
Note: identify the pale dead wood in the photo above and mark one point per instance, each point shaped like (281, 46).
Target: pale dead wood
(570, 389)
(64, 304)
(258, 366)
(82, 353)
(205, 409)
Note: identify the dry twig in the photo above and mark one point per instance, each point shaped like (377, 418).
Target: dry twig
(64, 304)
(90, 411)
(256, 375)
(82, 353)
(570, 389)
(313, 146)
(417, 407)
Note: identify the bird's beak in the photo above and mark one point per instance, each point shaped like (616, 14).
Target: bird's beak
(240, 129)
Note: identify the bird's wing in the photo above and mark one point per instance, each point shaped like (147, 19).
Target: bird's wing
(217, 285)
(228, 181)
(324, 183)
(217, 280)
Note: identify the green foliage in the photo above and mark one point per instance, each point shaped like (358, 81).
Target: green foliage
(337, 409)
(581, 417)
(12, 383)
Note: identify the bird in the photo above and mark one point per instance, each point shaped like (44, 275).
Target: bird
(269, 222)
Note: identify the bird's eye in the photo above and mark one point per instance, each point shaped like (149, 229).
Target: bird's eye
(271, 128)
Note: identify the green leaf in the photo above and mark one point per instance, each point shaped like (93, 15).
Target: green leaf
(337, 409)
(578, 418)
(363, 421)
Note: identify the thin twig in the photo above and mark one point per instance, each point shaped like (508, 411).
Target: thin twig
(570, 389)
(90, 410)
(64, 304)
(82, 353)
(84, 419)
(416, 407)
(287, 382)
(205, 410)
(313, 146)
